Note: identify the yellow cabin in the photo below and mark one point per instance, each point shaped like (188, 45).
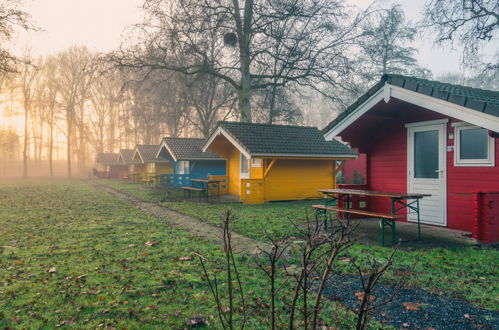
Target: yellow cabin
(153, 163)
(276, 162)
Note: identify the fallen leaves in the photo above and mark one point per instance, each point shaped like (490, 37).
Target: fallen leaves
(410, 306)
(186, 258)
(360, 296)
(197, 321)
(150, 243)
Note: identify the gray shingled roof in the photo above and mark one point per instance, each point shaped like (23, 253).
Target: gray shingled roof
(481, 100)
(148, 153)
(127, 156)
(189, 149)
(107, 159)
(266, 139)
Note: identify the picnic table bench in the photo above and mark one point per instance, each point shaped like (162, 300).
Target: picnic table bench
(399, 201)
(203, 190)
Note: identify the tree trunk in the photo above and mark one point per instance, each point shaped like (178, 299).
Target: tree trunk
(68, 150)
(51, 145)
(26, 140)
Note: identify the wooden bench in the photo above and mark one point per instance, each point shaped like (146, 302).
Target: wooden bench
(387, 219)
(201, 192)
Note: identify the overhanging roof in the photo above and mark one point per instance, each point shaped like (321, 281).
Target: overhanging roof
(107, 159)
(187, 149)
(126, 156)
(147, 153)
(265, 140)
(476, 106)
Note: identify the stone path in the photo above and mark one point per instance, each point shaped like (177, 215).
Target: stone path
(242, 244)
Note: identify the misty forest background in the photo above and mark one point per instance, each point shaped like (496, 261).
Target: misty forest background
(191, 63)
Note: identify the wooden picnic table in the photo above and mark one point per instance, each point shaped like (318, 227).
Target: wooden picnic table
(399, 201)
(206, 184)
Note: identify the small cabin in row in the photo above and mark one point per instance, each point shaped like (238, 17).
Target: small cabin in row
(276, 162)
(147, 154)
(430, 137)
(109, 165)
(190, 161)
(132, 166)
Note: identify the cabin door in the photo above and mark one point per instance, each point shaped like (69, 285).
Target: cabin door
(426, 172)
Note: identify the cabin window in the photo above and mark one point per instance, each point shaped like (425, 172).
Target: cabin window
(473, 146)
(244, 167)
(183, 167)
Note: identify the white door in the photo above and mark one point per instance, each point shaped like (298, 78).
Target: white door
(426, 162)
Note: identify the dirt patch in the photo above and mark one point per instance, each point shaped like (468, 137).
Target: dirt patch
(242, 244)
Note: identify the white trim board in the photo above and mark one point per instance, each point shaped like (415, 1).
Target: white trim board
(429, 102)
(164, 145)
(137, 152)
(221, 131)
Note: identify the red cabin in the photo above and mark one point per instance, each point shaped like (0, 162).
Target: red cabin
(424, 136)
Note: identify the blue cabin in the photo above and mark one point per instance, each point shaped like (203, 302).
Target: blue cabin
(190, 162)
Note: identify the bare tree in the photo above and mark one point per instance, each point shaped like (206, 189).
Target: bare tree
(28, 80)
(73, 72)
(472, 23)
(10, 17)
(49, 92)
(314, 37)
(385, 46)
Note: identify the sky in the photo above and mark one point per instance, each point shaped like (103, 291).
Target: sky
(99, 24)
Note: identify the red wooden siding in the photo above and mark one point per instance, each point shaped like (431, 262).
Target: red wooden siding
(354, 166)
(382, 135)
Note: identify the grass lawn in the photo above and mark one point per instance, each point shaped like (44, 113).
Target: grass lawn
(469, 273)
(76, 257)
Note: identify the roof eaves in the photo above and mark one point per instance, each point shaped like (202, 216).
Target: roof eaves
(306, 155)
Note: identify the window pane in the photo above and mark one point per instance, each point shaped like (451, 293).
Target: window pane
(244, 164)
(473, 143)
(426, 154)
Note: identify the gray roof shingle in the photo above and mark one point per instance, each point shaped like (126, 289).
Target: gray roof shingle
(127, 156)
(266, 139)
(148, 153)
(481, 100)
(188, 149)
(107, 159)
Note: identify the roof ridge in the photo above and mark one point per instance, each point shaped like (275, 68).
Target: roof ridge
(263, 124)
(386, 75)
(183, 138)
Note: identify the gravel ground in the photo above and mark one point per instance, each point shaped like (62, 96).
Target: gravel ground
(436, 312)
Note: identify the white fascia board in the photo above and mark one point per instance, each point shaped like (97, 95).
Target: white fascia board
(446, 108)
(357, 113)
(210, 140)
(305, 156)
(165, 145)
(221, 131)
(136, 152)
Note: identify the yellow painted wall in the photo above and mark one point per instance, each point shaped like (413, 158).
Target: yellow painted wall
(233, 170)
(255, 171)
(291, 179)
(150, 169)
(164, 168)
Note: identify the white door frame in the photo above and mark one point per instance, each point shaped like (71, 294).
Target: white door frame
(441, 126)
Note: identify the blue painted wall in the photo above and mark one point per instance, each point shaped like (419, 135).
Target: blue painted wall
(200, 169)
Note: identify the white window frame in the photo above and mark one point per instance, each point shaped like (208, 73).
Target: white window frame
(244, 175)
(183, 164)
(490, 161)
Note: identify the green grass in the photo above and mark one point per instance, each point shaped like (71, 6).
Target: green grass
(469, 273)
(104, 275)
(253, 220)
